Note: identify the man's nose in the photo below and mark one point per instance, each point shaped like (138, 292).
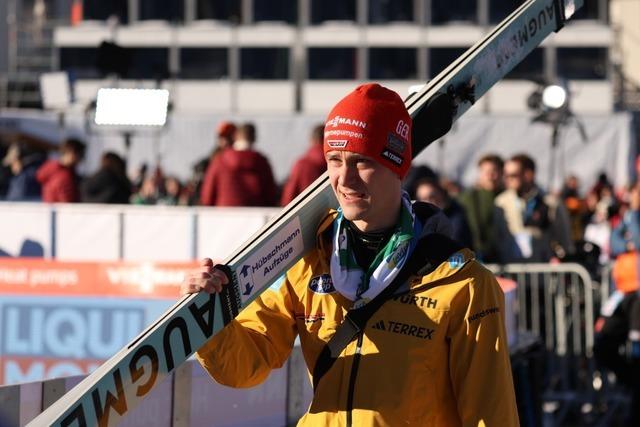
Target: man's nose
(347, 174)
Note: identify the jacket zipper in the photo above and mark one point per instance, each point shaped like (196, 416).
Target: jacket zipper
(352, 379)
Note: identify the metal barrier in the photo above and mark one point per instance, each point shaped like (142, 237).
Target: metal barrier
(559, 303)
(556, 295)
(606, 281)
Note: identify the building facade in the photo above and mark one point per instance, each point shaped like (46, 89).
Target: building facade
(298, 56)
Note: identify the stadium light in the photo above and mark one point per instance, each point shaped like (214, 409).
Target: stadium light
(132, 107)
(551, 102)
(554, 97)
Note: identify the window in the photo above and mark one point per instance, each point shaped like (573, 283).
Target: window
(204, 63)
(500, 9)
(582, 63)
(221, 10)
(441, 57)
(329, 63)
(383, 11)
(392, 63)
(264, 63)
(148, 63)
(531, 67)
(332, 10)
(275, 10)
(101, 10)
(80, 62)
(168, 10)
(446, 11)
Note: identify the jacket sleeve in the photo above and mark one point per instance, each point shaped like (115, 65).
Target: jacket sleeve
(66, 190)
(208, 189)
(618, 242)
(628, 231)
(270, 189)
(258, 340)
(479, 356)
(291, 188)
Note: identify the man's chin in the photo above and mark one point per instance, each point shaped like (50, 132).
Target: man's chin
(352, 214)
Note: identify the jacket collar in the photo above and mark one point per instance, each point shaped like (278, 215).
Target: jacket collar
(446, 269)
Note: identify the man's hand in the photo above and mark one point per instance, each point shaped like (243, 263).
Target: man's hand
(205, 278)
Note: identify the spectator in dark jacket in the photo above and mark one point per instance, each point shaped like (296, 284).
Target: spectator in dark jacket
(110, 183)
(240, 176)
(307, 169)
(23, 163)
(430, 190)
(478, 203)
(625, 237)
(414, 176)
(58, 178)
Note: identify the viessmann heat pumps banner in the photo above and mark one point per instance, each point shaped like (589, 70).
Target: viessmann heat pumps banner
(62, 318)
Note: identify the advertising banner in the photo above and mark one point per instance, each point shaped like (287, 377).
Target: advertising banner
(65, 318)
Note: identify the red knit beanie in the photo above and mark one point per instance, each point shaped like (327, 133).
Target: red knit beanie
(373, 121)
(226, 129)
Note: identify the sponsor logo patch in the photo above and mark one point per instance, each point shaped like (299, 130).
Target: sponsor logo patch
(337, 120)
(395, 144)
(380, 326)
(394, 259)
(456, 260)
(310, 318)
(483, 313)
(394, 149)
(394, 158)
(404, 329)
(322, 284)
(337, 143)
(412, 299)
(402, 129)
(270, 259)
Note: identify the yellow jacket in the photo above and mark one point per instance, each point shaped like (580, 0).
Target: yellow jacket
(435, 355)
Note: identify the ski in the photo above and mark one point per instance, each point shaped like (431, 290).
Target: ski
(116, 387)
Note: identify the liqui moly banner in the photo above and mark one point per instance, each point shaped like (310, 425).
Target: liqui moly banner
(61, 318)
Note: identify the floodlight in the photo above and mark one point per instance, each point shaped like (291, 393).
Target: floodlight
(132, 107)
(554, 97)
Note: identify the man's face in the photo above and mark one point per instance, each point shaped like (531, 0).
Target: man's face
(489, 176)
(513, 176)
(224, 141)
(427, 192)
(70, 158)
(369, 194)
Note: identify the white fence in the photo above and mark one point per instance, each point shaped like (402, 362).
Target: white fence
(83, 232)
(188, 397)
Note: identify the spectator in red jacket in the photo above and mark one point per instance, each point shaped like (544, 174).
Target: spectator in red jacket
(58, 178)
(225, 132)
(307, 169)
(239, 176)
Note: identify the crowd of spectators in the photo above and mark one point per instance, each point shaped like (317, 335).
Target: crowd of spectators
(504, 217)
(507, 217)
